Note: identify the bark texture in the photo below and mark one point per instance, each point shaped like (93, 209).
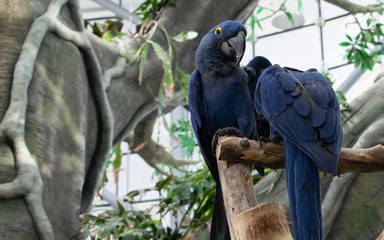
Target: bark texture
(271, 155)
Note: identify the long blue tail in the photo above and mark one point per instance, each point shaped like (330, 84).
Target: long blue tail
(220, 228)
(303, 185)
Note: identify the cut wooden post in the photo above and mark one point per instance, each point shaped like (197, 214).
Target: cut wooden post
(240, 203)
(237, 187)
(381, 236)
(266, 221)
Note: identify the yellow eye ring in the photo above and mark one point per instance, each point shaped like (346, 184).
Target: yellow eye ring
(218, 30)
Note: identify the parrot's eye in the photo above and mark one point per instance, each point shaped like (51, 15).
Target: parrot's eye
(218, 30)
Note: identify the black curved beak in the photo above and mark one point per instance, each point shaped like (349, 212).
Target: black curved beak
(233, 49)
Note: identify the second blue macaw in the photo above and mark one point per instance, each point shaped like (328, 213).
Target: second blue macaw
(254, 69)
(303, 108)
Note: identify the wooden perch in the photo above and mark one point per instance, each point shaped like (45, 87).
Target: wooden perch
(271, 155)
(246, 220)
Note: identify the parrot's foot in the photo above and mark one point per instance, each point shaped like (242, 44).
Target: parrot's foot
(264, 139)
(228, 131)
(276, 138)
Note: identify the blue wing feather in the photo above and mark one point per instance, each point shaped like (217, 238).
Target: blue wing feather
(322, 130)
(200, 128)
(303, 108)
(301, 105)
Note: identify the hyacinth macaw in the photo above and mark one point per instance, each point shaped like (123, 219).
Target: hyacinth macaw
(218, 98)
(303, 108)
(254, 69)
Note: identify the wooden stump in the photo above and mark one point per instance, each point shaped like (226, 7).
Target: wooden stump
(237, 186)
(266, 221)
(246, 220)
(381, 236)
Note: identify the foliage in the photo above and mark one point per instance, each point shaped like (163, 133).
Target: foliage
(365, 48)
(256, 18)
(344, 105)
(114, 159)
(185, 135)
(111, 29)
(149, 8)
(168, 58)
(107, 30)
(191, 194)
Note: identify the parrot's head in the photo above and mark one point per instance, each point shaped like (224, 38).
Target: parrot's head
(259, 64)
(222, 46)
(254, 69)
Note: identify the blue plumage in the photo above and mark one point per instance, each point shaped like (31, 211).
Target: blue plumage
(219, 97)
(303, 108)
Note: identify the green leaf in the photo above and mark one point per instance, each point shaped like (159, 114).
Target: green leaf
(163, 183)
(290, 18)
(259, 10)
(184, 81)
(348, 37)
(344, 44)
(121, 208)
(185, 36)
(356, 37)
(167, 66)
(367, 36)
(104, 179)
(364, 55)
(143, 59)
(117, 162)
(369, 21)
(357, 60)
(363, 68)
(137, 54)
(110, 34)
(299, 5)
(362, 45)
(96, 30)
(258, 23)
(252, 22)
(371, 64)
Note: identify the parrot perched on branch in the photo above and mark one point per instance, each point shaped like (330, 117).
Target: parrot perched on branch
(218, 98)
(303, 108)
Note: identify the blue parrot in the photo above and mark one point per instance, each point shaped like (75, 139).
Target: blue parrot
(254, 69)
(218, 98)
(303, 108)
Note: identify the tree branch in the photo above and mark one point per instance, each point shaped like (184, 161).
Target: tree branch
(354, 8)
(150, 151)
(364, 160)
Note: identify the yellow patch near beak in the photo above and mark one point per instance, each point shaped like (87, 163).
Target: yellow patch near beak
(218, 45)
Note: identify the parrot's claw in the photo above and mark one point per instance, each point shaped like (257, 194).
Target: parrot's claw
(228, 131)
(276, 138)
(264, 139)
